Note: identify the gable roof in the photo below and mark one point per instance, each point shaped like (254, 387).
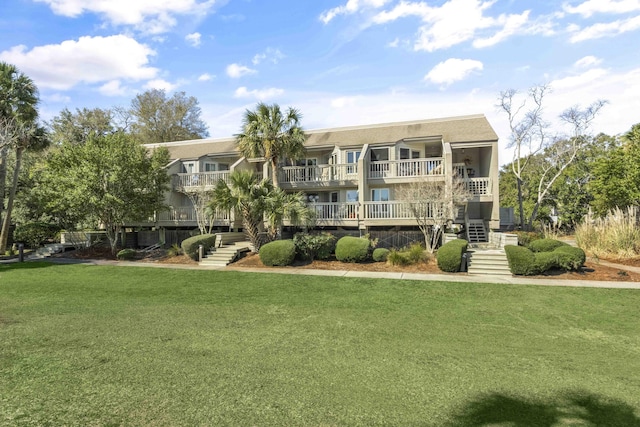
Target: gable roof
(475, 128)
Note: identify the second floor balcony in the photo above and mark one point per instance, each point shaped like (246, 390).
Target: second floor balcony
(205, 180)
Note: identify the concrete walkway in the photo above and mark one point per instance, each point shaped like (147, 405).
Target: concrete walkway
(458, 277)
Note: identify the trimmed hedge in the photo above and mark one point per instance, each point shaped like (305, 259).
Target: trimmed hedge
(449, 256)
(314, 246)
(126, 254)
(278, 253)
(570, 257)
(190, 246)
(353, 249)
(380, 254)
(523, 261)
(545, 245)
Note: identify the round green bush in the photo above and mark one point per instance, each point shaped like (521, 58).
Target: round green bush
(521, 260)
(278, 253)
(126, 254)
(570, 257)
(545, 245)
(544, 261)
(449, 256)
(314, 246)
(380, 254)
(190, 246)
(353, 249)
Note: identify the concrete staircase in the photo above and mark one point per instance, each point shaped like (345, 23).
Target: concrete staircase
(488, 262)
(476, 231)
(225, 254)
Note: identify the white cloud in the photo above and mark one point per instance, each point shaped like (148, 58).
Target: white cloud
(57, 98)
(113, 88)
(457, 21)
(590, 7)
(161, 84)
(150, 16)
(588, 77)
(87, 60)
(205, 77)
(601, 30)
(453, 70)
(194, 39)
(394, 43)
(236, 71)
(260, 94)
(587, 62)
(270, 54)
(351, 7)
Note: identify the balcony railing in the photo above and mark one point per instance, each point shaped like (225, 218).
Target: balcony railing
(187, 214)
(399, 210)
(478, 186)
(319, 173)
(335, 211)
(199, 180)
(406, 168)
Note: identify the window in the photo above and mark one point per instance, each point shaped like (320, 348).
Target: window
(379, 170)
(352, 196)
(188, 167)
(215, 167)
(380, 209)
(352, 160)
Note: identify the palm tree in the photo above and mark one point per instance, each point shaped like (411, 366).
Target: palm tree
(267, 132)
(256, 199)
(18, 115)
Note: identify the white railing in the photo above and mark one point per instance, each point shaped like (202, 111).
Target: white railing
(406, 168)
(201, 179)
(319, 173)
(335, 211)
(187, 214)
(398, 210)
(478, 186)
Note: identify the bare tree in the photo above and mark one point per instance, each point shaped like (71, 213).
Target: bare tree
(200, 196)
(434, 205)
(530, 136)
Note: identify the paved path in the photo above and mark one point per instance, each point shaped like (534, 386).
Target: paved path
(460, 277)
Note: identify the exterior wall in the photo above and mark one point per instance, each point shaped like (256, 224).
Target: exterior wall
(411, 158)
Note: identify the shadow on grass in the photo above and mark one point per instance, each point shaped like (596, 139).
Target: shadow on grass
(566, 408)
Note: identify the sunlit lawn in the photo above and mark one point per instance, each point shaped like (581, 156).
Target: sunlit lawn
(102, 345)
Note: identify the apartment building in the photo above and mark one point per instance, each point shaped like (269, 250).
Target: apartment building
(351, 175)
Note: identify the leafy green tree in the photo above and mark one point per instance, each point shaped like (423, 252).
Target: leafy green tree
(157, 118)
(256, 199)
(109, 179)
(76, 128)
(19, 130)
(616, 180)
(268, 132)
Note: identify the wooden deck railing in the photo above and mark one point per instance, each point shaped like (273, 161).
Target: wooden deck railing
(406, 168)
(319, 173)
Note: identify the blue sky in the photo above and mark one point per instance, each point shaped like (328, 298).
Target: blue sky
(341, 62)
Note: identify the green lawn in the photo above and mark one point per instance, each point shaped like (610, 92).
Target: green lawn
(100, 345)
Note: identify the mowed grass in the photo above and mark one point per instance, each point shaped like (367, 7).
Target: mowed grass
(102, 345)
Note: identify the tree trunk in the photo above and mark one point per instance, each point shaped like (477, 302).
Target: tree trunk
(3, 178)
(274, 173)
(521, 205)
(534, 214)
(4, 235)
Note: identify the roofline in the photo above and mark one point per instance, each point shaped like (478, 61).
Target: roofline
(322, 130)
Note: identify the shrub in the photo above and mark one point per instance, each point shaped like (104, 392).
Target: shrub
(411, 255)
(526, 237)
(544, 261)
(615, 236)
(545, 245)
(352, 249)
(278, 253)
(380, 254)
(174, 250)
(33, 234)
(190, 246)
(126, 254)
(521, 260)
(570, 258)
(449, 256)
(318, 246)
(396, 257)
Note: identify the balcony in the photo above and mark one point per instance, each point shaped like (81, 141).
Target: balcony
(201, 180)
(478, 186)
(320, 174)
(406, 168)
(398, 210)
(187, 215)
